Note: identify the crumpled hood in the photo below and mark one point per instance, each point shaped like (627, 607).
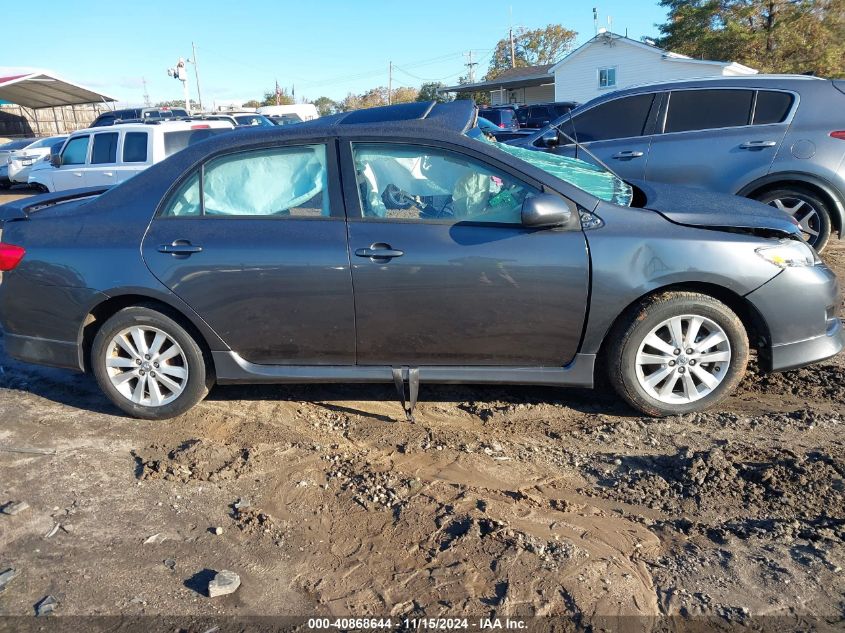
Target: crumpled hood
(696, 207)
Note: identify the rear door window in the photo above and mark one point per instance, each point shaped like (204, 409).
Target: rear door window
(105, 148)
(620, 118)
(708, 109)
(76, 151)
(135, 147)
(772, 107)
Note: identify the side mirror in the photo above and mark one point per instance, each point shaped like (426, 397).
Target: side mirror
(550, 139)
(546, 209)
(56, 160)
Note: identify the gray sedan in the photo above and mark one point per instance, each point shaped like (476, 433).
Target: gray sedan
(275, 256)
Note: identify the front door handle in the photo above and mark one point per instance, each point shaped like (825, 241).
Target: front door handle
(757, 144)
(180, 248)
(379, 251)
(628, 154)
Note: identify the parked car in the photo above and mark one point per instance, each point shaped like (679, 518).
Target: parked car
(539, 115)
(92, 158)
(779, 139)
(237, 119)
(499, 134)
(135, 115)
(502, 116)
(20, 162)
(269, 256)
(291, 113)
(5, 150)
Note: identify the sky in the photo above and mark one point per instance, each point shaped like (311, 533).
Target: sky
(317, 47)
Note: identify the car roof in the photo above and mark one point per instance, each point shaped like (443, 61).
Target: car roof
(759, 81)
(166, 125)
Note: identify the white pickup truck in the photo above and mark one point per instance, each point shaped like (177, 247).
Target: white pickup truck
(97, 157)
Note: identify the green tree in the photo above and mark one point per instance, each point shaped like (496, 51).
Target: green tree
(428, 92)
(532, 47)
(173, 103)
(480, 97)
(326, 106)
(782, 36)
(285, 98)
(252, 104)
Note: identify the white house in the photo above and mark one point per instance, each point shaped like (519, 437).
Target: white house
(609, 62)
(604, 63)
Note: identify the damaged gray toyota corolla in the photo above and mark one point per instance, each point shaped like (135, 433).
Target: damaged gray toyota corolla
(397, 244)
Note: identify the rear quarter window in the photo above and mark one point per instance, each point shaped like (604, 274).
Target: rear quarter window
(135, 147)
(772, 107)
(177, 141)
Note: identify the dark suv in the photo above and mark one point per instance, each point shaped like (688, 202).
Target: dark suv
(779, 139)
(134, 115)
(503, 117)
(539, 115)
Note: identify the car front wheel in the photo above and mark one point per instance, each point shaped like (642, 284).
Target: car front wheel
(148, 365)
(677, 353)
(808, 209)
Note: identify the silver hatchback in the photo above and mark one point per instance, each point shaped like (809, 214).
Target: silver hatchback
(779, 139)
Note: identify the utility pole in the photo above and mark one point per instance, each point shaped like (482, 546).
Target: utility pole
(389, 83)
(146, 94)
(513, 52)
(194, 61)
(471, 66)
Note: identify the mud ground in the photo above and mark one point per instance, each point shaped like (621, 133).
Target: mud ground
(513, 501)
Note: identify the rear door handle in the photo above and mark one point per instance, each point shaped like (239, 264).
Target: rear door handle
(180, 248)
(379, 251)
(757, 144)
(108, 173)
(628, 154)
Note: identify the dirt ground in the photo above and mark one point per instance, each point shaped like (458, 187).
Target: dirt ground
(512, 501)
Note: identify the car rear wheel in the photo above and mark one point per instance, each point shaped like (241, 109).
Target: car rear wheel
(148, 365)
(809, 210)
(677, 353)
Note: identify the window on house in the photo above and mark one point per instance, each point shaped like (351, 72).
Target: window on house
(607, 77)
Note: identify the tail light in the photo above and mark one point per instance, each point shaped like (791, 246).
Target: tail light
(502, 125)
(10, 256)
(200, 127)
(840, 134)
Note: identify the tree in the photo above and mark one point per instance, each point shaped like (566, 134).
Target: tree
(285, 98)
(428, 92)
(480, 97)
(404, 94)
(326, 106)
(532, 47)
(782, 36)
(252, 104)
(173, 103)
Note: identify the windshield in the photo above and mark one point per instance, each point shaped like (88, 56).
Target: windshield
(594, 179)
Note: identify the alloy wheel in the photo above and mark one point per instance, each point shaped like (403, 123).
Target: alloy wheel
(683, 359)
(804, 213)
(146, 366)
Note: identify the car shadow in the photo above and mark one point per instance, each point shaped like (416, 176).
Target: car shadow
(81, 391)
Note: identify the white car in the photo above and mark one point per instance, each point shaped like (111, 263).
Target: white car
(97, 157)
(5, 150)
(20, 162)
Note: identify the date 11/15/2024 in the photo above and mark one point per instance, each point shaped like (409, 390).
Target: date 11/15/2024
(433, 624)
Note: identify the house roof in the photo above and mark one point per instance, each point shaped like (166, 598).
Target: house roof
(609, 37)
(42, 89)
(509, 78)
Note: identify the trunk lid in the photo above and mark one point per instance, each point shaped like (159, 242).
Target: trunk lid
(25, 208)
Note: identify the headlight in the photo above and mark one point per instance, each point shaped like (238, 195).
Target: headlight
(789, 253)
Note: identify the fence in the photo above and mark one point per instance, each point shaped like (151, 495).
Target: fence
(17, 121)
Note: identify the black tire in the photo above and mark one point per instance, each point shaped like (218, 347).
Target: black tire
(629, 335)
(193, 388)
(811, 209)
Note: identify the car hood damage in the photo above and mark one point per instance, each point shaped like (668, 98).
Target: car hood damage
(716, 211)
